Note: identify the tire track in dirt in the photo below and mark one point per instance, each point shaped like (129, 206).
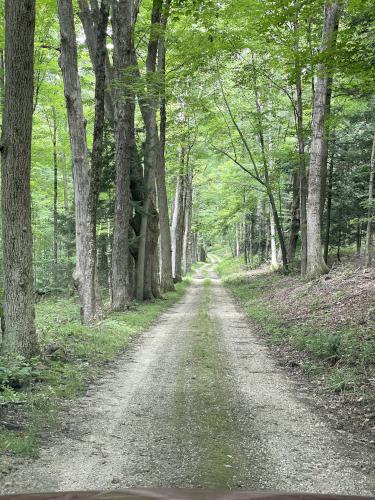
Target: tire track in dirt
(196, 401)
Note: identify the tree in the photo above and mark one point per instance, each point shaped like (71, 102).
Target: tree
(149, 104)
(166, 276)
(86, 177)
(368, 245)
(19, 335)
(124, 106)
(319, 145)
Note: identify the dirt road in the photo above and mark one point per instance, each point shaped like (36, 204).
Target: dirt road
(197, 401)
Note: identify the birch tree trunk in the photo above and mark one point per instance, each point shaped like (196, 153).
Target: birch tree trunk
(370, 213)
(318, 158)
(19, 335)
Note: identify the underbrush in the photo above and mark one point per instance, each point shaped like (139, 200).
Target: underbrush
(336, 350)
(31, 392)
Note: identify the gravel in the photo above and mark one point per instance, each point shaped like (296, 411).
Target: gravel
(128, 430)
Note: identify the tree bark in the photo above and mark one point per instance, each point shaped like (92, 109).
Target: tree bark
(55, 190)
(370, 213)
(358, 240)
(125, 146)
(89, 20)
(295, 216)
(85, 181)
(149, 106)
(178, 222)
(267, 183)
(19, 335)
(274, 263)
(329, 208)
(301, 169)
(188, 207)
(315, 263)
(166, 275)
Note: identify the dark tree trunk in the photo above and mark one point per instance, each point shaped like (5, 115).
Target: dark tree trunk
(295, 217)
(202, 254)
(2, 81)
(178, 225)
(358, 239)
(125, 145)
(149, 106)
(89, 20)
(151, 278)
(19, 335)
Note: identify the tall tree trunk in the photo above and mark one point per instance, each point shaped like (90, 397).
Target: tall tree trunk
(149, 106)
(358, 239)
(151, 277)
(267, 183)
(329, 209)
(65, 185)
(274, 263)
(19, 335)
(301, 169)
(237, 240)
(2, 81)
(55, 191)
(124, 148)
(85, 186)
(178, 223)
(109, 257)
(186, 245)
(102, 15)
(88, 16)
(315, 263)
(166, 275)
(279, 231)
(295, 216)
(370, 212)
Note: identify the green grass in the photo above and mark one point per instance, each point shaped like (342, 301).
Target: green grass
(202, 387)
(341, 357)
(43, 383)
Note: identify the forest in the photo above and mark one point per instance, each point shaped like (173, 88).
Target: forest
(144, 140)
(185, 125)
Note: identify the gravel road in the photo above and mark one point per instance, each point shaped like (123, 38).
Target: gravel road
(197, 401)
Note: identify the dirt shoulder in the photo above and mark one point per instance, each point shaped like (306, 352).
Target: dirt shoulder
(323, 333)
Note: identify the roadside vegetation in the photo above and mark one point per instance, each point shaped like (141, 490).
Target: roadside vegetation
(323, 329)
(33, 391)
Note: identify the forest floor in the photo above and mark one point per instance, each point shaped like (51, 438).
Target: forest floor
(197, 401)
